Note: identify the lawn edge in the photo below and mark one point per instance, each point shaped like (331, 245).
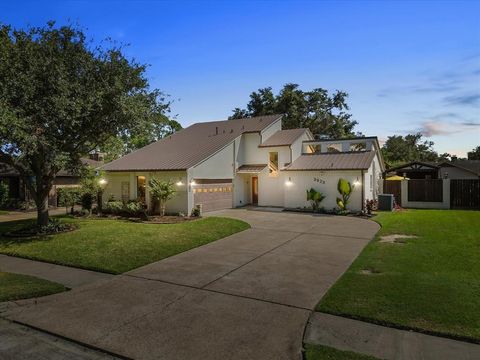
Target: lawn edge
(393, 325)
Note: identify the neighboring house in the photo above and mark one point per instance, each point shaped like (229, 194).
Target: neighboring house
(232, 163)
(458, 169)
(18, 190)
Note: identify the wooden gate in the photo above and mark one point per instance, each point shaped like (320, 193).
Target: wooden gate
(425, 190)
(465, 194)
(393, 187)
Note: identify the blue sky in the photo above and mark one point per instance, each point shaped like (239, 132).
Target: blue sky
(408, 66)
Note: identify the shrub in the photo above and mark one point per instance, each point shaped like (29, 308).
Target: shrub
(87, 201)
(370, 205)
(113, 207)
(315, 197)
(195, 212)
(345, 189)
(68, 197)
(132, 208)
(3, 194)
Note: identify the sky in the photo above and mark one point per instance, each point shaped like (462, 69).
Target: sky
(408, 66)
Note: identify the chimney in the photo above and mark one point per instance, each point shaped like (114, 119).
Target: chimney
(97, 156)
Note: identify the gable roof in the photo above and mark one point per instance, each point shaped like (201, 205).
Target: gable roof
(189, 146)
(358, 160)
(472, 166)
(283, 138)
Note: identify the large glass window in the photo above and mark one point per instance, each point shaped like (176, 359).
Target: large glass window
(141, 186)
(273, 163)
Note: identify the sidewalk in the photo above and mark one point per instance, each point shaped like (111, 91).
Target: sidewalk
(68, 276)
(384, 342)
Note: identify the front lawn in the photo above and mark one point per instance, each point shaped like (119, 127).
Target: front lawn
(430, 283)
(16, 287)
(319, 352)
(116, 246)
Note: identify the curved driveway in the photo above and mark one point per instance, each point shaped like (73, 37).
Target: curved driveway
(247, 296)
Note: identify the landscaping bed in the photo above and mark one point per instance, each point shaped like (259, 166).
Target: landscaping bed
(116, 246)
(427, 282)
(17, 286)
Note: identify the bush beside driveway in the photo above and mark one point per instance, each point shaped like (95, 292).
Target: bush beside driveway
(116, 246)
(429, 283)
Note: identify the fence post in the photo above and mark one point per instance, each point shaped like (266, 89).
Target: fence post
(404, 192)
(446, 193)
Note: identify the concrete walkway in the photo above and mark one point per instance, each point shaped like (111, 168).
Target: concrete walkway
(68, 276)
(247, 296)
(384, 342)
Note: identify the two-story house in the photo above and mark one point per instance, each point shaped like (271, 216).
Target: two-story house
(232, 163)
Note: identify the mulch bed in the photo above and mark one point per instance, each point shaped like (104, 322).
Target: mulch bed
(34, 231)
(168, 219)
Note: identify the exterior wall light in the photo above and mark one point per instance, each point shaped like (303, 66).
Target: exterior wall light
(102, 182)
(356, 182)
(192, 182)
(289, 181)
(179, 182)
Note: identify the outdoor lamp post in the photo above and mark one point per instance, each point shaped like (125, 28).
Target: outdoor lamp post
(103, 183)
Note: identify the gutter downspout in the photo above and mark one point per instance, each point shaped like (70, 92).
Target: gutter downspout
(363, 189)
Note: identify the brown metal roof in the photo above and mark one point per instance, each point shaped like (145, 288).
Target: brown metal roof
(333, 161)
(251, 168)
(189, 146)
(283, 138)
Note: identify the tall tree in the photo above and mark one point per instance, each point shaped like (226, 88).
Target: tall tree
(400, 149)
(324, 114)
(149, 128)
(474, 154)
(60, 98)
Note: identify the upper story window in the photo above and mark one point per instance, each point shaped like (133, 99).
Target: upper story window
(273, 163)
(360, 146)
(334, 148)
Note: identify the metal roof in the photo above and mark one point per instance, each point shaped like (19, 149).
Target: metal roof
(360, 160)
(190, 146)
(251, 168)
(283, 138)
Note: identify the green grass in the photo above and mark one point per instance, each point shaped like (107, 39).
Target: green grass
(4, 212)
(430, 283)
(116, 246)
(319, 352)
(16, 287)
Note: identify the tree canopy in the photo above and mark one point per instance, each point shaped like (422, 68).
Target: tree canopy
(400, 149)
(62, 97)
(324, 114)
(474, 154)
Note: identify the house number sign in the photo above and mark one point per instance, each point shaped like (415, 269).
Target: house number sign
(321, 181)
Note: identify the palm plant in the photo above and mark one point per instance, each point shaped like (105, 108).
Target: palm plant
(161, 191)
(345, 189)
(315, 197)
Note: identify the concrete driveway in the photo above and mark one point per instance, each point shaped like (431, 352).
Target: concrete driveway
(247, 296)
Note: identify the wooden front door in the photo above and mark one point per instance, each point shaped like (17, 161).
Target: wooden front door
(254, 190)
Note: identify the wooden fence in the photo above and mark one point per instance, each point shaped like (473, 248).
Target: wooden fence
(425, 190)
(465, 194)
(393, 187)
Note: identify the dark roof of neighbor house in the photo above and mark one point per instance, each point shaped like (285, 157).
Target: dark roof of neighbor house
(357, 160)
(472, 166)
(251, 168)
(283, 138)
(342, 139)
(189, 146)
(7, 170)
(431, 165)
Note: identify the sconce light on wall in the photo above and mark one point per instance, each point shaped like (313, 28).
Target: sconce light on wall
(192, 182)
(179, 182)
(289, 181)
(356, 182)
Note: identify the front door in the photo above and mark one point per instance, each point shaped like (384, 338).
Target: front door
(254, 190)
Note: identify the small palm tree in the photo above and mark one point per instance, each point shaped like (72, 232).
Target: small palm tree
(161, 191)
(315, 197)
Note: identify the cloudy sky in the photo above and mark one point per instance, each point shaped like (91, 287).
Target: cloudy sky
(408, 66)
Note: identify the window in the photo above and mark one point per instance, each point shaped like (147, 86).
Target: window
(125, 190)
(334, 148)
(361, 146)
(273, 164)
(371, 182)
(141, 186)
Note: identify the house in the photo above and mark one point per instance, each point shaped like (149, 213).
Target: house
(232, 163)
(457, 170)
(17, 190)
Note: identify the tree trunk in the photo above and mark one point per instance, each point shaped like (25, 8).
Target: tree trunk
(42, 211)
(162, 208)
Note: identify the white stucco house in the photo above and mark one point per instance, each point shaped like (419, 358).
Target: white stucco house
(232, 163)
